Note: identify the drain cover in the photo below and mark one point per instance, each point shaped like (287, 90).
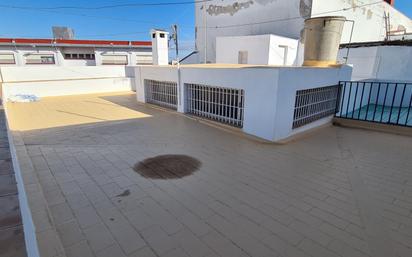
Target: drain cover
(167, 166)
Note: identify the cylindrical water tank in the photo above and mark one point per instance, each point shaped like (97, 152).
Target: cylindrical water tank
(322, 39)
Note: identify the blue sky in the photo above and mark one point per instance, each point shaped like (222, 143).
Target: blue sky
(131, 23)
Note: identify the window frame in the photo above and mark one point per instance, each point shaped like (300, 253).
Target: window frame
(79, 56)
(5, 63)
(125, 55)
(42, 56)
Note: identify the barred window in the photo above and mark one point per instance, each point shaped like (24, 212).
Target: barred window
(314, 104)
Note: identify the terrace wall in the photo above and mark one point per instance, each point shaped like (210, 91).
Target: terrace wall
(270, 92)
(58, 81)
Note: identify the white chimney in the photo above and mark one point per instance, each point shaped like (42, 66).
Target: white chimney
(160, 48)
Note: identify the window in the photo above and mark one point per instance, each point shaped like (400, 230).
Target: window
(242, 57)
(144, 58)
(7, 59)
(72, 56)
(114, 59)
(162, 35)
(40, 59)
(225, 105)
(154, 35)
(314, 104)
(163, 93)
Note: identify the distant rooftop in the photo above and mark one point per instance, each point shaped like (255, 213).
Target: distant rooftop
(406, 42)
(72, 42)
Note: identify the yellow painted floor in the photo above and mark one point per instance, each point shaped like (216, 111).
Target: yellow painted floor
(52, 112)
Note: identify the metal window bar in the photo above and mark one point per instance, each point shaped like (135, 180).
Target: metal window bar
(314, 104)
(378, 102)
(221, 104)
(162, 93)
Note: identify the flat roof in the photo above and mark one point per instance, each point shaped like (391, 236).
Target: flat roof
(406, 42)
(336, 191)
(73, 42)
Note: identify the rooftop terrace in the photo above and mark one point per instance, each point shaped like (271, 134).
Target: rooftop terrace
(335, 192)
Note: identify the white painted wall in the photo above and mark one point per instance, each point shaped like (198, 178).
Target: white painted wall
(369, 20)
(384, 63)
(161, 73)
(58, 81)
(261, 49)
(291, 80)
(50, 73)
(160, 45)
(269, 91)
(21, 51)
(286, 18)
(218, 13)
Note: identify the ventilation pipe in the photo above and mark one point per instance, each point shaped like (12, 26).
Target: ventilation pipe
(322, 39)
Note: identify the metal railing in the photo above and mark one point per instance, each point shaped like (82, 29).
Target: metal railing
(314, 104)
(162, 93)
(225, 105)
(380, 102)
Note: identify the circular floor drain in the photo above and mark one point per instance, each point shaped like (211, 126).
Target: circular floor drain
(167, 166)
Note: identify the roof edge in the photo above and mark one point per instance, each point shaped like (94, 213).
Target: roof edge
(44, 41)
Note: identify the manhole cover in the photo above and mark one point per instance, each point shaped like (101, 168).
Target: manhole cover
(167, 166)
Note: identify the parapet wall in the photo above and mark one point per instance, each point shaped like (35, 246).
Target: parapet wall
(269, 92)
(59, 81)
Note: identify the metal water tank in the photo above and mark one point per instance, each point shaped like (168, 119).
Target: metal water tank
(322, 39)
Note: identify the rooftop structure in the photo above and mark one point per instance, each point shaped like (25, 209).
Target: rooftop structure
(73, 52)
(237, 159)
(337, 192)
(373, 20)
(100, 173)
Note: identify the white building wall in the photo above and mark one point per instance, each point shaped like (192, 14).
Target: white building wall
(221, 16)
(369, 19)
(286, 18)
(161, 73)
(261, 49)
(20, 53)
(270, 92)
(292, 79)
(58, 81)
(283, 51)
(256, 47)
(384, 63)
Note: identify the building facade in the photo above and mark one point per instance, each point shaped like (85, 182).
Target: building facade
(70, 52)
(259, 50)
(220, 18)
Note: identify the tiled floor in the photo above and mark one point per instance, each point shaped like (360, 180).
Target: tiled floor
(382, 114)
(339, 192)
(11, 229)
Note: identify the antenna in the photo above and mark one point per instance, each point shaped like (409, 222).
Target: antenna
(174, 36)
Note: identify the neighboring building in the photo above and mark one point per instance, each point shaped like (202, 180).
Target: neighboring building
(70, 52)
(383, 61)
(261, 49)
(224, 18)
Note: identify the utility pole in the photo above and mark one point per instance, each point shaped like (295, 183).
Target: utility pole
(205, 31)
(175, 39)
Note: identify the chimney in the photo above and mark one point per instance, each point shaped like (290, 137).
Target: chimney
(391, 2)
(160, 47)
